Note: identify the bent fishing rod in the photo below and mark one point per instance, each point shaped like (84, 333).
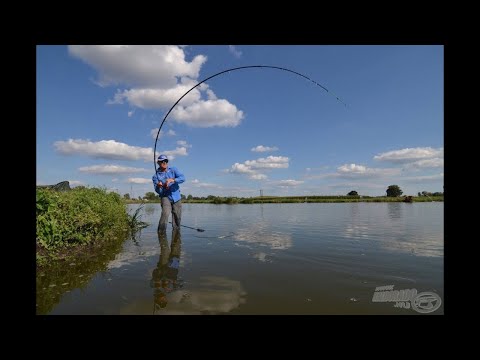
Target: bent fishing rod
(226, 71)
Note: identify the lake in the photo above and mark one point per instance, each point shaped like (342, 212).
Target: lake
(323, 258)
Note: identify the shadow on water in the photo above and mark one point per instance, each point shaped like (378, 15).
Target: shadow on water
(60, 277)
(165, 275)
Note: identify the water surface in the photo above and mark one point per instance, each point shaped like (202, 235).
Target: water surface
(323, 258)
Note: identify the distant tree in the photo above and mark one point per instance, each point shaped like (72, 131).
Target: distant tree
(189, 197)
(150, 195)
(183, 197)
(353, 193)
(127, 196)
(139, 197)
(394, 190)
(419, 193)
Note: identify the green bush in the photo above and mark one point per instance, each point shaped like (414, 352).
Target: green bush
(79, 216)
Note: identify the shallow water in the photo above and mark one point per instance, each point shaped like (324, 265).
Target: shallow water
(323, 258)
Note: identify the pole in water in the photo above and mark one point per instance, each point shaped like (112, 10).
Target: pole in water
(201, 230)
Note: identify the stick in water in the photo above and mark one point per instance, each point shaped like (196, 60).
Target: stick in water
(201, 230)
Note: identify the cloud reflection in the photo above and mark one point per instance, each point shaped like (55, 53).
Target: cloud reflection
(212, 295)
(261, 234)
(133, 255)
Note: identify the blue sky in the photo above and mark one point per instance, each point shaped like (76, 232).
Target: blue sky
(99, 109)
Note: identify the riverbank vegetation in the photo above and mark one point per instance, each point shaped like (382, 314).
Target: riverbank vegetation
(72, 222)
(394, 194)
(296, 199)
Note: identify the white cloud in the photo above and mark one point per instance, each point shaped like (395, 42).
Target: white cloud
(425, 178)
(251, 167)
(426, 163)
(208, 113)
(360, 171)
(270, 162)
(139, 181)
(410, 154)
(113, 150)
(357, 186)
(238, 168)
(171, 154)
(183, 143)
(199, 184)
(157, 77)
(130, 113)
(211, 95)
(352, 169)
(258, 176)
(138, 65)
(151, 98)
(288, 183)
(154, 132)
(110, 169)
(237, 53)
(104, 149)
(261, 148)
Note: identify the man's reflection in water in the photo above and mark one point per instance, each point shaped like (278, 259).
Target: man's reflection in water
(164, 276)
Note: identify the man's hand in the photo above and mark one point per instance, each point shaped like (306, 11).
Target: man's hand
(169, 181)
(159, 184)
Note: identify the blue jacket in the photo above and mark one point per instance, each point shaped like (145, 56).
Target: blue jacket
(173, 191)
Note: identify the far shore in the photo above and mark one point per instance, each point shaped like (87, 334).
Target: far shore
(297, 199)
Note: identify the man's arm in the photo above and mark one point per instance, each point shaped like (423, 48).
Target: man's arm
(157, 185)
(179, 177)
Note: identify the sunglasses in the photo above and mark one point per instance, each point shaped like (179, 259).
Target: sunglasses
(163, 161)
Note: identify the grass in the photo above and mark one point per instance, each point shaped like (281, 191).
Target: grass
(69, 222)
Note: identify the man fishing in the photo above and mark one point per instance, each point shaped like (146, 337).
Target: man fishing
(166, 184)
